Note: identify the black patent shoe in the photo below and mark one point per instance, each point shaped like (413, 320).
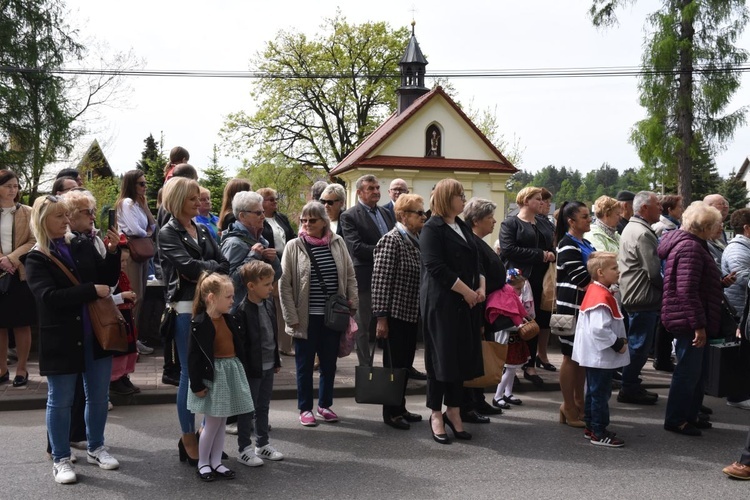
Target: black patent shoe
(19, 381)
(440, 438)
(458, 434)
(473, 417)
(397, 423)
(487, 409)
(534, 379)
(206, 476)
(412, 417)
(547, 366)
(223, 471)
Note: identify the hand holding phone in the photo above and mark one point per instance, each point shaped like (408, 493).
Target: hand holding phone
(112, 219)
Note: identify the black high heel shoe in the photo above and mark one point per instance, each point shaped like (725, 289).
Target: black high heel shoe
(440, 438)
(185, 457)
(459, 434)
(534, 379)
(547, 366)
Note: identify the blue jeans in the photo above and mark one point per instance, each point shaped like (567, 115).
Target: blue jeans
(598, 392)
(60, 393)
(687, 387)
(643, 326)
(181, 336)
(325, 343)
(261, 390)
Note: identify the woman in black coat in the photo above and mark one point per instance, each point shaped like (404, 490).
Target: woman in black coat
(451, 286)
(527, 243)
(67, 345)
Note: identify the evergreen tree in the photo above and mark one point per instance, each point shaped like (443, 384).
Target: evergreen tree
(690, 64)
(214, 178)
(735, 192)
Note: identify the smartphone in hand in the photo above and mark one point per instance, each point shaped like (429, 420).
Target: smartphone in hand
(112, 219)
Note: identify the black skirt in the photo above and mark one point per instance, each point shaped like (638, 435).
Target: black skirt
(17, 305)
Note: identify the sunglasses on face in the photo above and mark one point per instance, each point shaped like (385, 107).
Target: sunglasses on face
(420, 213)
(142, 184)
(309, 221)
(328, 202)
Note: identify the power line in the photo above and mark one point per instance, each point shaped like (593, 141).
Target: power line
(520, 73)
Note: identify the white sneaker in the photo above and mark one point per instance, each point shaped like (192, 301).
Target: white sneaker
(143, 348)
(63, 472)
(745, 405)
(231, 429)
(103, 459)
(268, 452)
(249, 458)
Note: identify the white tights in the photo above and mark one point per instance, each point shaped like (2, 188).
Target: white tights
(211, 443)
(505, 387)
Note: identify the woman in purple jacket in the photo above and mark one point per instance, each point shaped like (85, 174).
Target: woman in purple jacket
(691, 310)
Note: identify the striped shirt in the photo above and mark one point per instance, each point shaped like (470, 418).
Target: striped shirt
(327, 267)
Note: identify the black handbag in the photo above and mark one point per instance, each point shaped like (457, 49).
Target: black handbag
(377, 385)
(337, 306)
(729, 321)
(722, 362)
(166, 325)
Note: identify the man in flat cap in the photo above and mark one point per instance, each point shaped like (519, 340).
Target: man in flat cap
(626, 208)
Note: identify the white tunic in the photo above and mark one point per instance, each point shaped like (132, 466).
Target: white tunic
(596, 332)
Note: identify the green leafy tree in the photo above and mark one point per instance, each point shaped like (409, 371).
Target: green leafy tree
(214, 179)
(566, 193)
(41, 112)
(304, 115)
(106, 191)
(735, 192)
(291, 182)
(690, 64)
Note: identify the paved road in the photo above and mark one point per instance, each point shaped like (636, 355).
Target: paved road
(524, 453)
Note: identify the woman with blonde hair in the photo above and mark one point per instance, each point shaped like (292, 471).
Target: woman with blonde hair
(187, 250)
(67, 344)
(451, 286)
(527, 243)
(603, 234)
(690, 311)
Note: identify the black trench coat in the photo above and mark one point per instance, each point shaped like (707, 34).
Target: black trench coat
(453, 349)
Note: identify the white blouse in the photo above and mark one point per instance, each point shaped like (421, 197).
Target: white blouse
(132, 220)
(6, 231)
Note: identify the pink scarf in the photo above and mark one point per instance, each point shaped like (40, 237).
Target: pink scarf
(316, 242)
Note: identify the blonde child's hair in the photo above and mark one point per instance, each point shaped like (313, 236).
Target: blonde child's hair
(208, 283)
(254, 271)
(597, 260)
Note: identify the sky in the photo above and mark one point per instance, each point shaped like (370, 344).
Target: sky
(579, 123)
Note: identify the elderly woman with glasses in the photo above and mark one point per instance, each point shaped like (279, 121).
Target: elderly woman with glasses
(334, 199)
(187, 250)
(395, 295)
(67, 345)
(243, 241)
(304, 291)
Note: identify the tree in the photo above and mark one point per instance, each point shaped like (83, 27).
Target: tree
(690, 65)
(42, 111)
(323, 95)
(735, 192)
(215, 178)
(152, 163)
(291, 182)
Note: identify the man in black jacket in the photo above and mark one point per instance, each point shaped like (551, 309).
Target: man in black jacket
(363, 226)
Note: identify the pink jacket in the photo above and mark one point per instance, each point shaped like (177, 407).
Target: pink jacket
(505, 302)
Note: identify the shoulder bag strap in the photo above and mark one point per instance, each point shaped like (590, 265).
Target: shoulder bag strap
(315, 266)
(65, 270)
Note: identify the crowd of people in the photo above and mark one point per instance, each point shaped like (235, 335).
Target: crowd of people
(643, 275)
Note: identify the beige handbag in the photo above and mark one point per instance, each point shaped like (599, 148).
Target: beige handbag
(549, 284)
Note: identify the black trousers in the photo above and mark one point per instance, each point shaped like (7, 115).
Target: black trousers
(662, 346)
(399, 353)
(438, 392)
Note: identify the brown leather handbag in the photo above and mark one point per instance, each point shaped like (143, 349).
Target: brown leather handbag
(141, 249)
(109, 326)
(529, 329)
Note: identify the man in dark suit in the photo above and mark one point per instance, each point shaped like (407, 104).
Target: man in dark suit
(396, 189)
(363, 226)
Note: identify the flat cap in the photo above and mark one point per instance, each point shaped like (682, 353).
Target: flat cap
(625, 196)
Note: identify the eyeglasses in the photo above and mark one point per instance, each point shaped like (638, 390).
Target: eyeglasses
(48, 200)
(91, 212)
(420, 213)
(328, 202)
(272, 200)
(142, 184)
(462, 196)
(256, 212)
(399, 190)
(308, 221)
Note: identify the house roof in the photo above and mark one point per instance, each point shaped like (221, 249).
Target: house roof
(360, 154)
(413, 53)
(435, 163)
(743, 169)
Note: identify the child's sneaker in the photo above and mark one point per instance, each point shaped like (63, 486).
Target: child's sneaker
(63, 472)
(607, 439)
(249, 458)
(327, 414)
(231, 429)
(268, 452)
(307, 419)
(102, 458)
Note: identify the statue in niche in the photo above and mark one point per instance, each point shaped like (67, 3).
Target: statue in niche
(434, 145)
